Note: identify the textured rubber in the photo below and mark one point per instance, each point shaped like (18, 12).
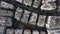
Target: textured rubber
(24, 16)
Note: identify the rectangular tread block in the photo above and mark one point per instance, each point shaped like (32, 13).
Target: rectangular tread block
(33, 19)
(27, 32)
(35, 32)
(53, 31)
(53, 22)
(41, 20)
(5, 21)
(6, 5)
(36, 3)
(42, 32)
(10, 31)
(18, 13)
(25, 16)
(18, 31)
(27, 2)
(19, 1)
(6, 13)
(2, 29)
